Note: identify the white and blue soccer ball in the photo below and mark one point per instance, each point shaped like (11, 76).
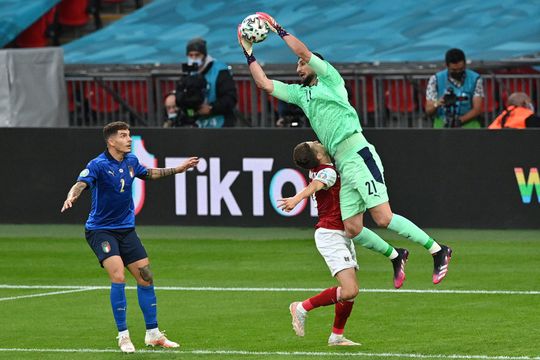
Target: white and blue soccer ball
(254, 29)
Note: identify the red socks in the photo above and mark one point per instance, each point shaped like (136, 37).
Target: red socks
(326, 297)
(343, 310)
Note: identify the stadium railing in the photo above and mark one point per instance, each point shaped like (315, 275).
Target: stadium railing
(388, 97)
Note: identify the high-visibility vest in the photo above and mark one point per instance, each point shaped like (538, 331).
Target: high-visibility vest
(512, 117)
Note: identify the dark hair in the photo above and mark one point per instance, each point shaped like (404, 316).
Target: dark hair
(112, 128)
(304, 156)
(318, 55)
(454, 56)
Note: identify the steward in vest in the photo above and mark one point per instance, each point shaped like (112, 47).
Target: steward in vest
(220, 94)
(455, 95)
(519, 114)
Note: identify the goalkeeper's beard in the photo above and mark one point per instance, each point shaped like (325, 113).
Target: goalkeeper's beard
(308, 80)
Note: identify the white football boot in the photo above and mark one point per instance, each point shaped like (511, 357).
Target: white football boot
(340, 340)
(125, 344)
(157, 338)
(298, 319)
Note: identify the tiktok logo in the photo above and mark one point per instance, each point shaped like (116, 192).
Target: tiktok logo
(527, 186)
(213, 185)
(145, 159)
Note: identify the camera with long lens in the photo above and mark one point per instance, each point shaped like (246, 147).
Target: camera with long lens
(451, 112)
(450, 98)
(190, 94)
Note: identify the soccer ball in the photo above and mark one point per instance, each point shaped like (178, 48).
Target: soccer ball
(254, 29)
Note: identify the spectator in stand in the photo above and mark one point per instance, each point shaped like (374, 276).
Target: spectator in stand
(217, 108)
(455, 95)
(171, 110)
(519, 114)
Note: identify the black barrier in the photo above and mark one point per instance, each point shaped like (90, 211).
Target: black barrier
(438, 178)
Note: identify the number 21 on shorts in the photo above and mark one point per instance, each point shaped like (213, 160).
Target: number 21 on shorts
(372, 189)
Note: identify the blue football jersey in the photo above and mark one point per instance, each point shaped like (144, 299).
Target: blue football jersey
(111, 182)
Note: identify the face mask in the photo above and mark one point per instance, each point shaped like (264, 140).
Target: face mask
(192, 61)
(458, 75)
(172, 116)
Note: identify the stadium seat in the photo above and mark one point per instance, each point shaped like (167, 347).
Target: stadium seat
(490, 95)
(100, 100)
(399, 95)
(73, 12)
(135, 94)
(37, 34)
(370, 98)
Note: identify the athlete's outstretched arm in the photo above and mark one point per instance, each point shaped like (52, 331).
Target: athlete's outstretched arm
(73, 195)
(298, 47)
(287, 204)
(158, 173)
(260, 77)
(256, 70)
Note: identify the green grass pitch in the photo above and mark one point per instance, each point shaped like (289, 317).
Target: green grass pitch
(248, 324)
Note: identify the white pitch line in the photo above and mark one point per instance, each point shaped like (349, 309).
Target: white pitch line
(44, 294)
(253, 289)
(283, 353)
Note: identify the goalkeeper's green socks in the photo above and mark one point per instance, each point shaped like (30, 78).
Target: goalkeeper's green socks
(408, 229)
(372, 241)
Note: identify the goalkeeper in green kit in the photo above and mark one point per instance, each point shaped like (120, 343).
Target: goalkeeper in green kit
(323, 98)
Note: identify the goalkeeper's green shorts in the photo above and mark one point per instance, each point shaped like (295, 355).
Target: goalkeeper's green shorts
(362, 176)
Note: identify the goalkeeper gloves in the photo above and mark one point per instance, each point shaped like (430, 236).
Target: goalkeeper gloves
(247, 46)
(272, 24)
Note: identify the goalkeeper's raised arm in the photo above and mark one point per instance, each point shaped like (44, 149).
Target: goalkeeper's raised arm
(256, 70)
(298, 47)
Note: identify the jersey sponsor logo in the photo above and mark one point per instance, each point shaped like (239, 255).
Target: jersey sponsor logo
(106, 247)
(84, 173)
(110, 172)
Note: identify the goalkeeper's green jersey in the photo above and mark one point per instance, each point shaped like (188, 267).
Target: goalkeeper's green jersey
(325, 104)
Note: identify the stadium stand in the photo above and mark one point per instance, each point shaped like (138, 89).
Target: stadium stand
(409, 31)
(17, 16)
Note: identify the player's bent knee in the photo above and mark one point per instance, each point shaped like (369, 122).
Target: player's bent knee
(146, 274)
(352, 230)
(118, 277)
(383, 221)
(349, 293)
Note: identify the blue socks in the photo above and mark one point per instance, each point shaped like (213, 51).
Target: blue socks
(119, 305)
(148, 304)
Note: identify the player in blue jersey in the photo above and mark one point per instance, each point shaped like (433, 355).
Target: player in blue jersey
(110, 228)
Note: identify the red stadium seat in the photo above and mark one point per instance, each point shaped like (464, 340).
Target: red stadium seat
(135, 94)
(351, 89)
(399, 96)
(99, 99)
(490, 97)
(36, 34)
(73, 12)
(70, 89)
(370, 98)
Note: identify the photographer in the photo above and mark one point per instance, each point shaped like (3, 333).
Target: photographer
(455, 95)
(206, 95)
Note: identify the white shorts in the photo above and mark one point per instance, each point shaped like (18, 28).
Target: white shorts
(336, 249)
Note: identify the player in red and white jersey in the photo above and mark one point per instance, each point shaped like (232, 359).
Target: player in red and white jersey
(336, 249)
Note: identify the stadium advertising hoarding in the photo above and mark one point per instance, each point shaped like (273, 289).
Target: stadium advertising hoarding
(438, 178)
